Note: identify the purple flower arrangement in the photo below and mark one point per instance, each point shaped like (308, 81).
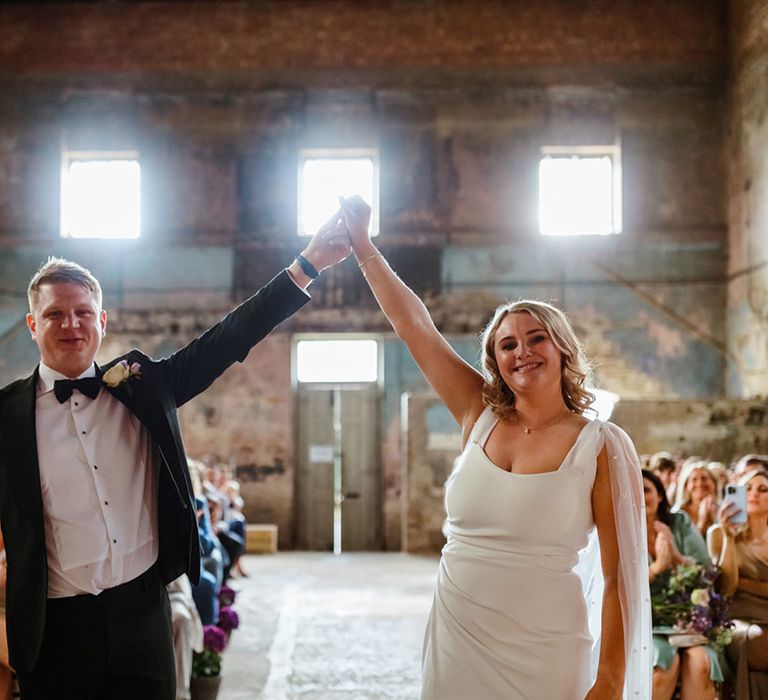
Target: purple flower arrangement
(689, 603)
(226, 596)
(216, 637)
(228, 620)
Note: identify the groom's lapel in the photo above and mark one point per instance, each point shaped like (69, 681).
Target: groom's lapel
(21, 437)
(138, 401)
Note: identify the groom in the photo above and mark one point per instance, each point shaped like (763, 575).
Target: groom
(96, 503)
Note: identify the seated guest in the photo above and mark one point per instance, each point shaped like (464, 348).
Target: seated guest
(663, 465)
(741, 551)
(673, 540)
(747, 463)
(205, 593)
(233, 543)
(235, 517)
(234, 511)
(196, 475)
(214, 479)
(697, 494)
(721, 475)
(187, 632)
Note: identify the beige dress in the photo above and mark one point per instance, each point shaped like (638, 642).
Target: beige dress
(747, 609)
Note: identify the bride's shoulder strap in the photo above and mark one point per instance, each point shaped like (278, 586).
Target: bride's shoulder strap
(483, 426)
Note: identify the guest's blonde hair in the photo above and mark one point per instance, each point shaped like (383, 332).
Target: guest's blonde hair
(575, 370)
(196, 471)
(683, 495)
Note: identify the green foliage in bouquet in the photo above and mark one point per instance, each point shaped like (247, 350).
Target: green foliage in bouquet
(208, 662)
(690, 603)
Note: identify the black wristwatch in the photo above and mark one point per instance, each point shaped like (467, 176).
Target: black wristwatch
(309, 269)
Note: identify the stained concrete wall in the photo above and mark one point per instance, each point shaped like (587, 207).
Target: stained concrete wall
(431, 445)
(219, 97)
(748, 200)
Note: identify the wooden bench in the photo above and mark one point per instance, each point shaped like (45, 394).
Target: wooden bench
(261, 538)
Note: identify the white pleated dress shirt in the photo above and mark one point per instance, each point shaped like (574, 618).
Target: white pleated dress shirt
(99, 483)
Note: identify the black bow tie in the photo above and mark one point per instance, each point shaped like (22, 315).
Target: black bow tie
(88, 386)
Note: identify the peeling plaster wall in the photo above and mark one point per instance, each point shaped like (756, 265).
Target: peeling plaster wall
(721, 430)
(432, 443)
(219, 97)
(748, 200)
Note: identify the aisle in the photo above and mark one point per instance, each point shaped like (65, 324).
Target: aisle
(317, 627)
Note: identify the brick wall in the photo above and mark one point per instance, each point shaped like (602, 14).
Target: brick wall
(246, 41)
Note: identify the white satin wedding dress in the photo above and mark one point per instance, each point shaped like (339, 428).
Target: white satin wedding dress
(516, 610)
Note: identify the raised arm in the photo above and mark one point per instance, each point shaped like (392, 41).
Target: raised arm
(456, 382)
(193, 368)
(612, 663)
(721, 543)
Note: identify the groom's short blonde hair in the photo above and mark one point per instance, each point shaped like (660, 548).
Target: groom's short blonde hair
(56, 270)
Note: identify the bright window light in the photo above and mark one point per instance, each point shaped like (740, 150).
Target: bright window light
(605, 402)
(337, 361)
(100, 195)
(579, 193)
(324, 175)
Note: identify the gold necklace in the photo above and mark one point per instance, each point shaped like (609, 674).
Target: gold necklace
(528, 430)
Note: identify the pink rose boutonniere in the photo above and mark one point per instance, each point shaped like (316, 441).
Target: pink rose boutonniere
(120, 373)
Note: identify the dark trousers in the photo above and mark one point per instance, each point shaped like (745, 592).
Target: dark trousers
(234, 545)
(114, 646)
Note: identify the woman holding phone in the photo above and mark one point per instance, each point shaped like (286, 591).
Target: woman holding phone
(741, 551)
(510, 617)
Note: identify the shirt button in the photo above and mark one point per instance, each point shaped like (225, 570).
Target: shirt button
(95, 467)
(83, 432)
(106, 503)
(115, 541)
(76, 404)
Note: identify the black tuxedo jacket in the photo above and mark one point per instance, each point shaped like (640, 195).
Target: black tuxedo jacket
(153, 398)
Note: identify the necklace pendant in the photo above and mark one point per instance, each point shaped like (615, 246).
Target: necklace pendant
(527, 430)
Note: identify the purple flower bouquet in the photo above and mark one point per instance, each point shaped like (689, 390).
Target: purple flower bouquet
(208, 662)
(691, 610)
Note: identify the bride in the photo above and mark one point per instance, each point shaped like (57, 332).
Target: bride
(528, 602)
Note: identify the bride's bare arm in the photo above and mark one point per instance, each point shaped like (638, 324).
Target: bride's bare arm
(611, 664)
(456, 382)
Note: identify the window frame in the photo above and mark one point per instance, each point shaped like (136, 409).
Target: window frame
(70, 156)
(306, 154)
(611, 151)
(298, 338)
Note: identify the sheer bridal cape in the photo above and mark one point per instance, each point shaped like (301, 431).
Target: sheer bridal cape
(634, 594)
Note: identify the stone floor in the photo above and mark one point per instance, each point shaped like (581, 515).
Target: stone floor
(316, 627)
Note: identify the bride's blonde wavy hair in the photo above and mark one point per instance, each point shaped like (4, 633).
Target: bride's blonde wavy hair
(575, 371)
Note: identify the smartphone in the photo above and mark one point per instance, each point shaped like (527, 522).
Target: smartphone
(737, 494)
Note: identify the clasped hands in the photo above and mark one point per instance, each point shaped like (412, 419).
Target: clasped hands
(347, 229)
(667, 553)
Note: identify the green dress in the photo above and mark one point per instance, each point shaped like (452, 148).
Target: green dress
(690, 543)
